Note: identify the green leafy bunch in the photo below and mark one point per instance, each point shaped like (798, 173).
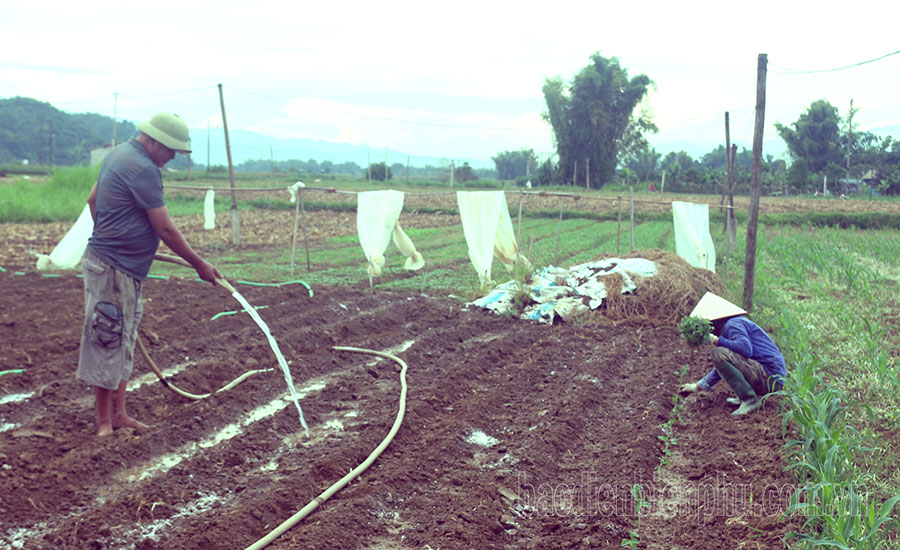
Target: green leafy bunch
(695, 330)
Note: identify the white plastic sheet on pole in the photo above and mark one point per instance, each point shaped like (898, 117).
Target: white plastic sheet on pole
(414, 258)
(376, 224)
(692, 239)
(488, 230)
(209, 210)
(70, 249)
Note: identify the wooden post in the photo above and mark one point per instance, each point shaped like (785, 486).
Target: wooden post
(559, 230)
(575, 174)
(662, 186)
(631, 191)
(727, 164)
(755, 178)
(587, 171)
(732, 233)
(619, 225)
(519, 228)
(294, 237)
(725, 189)
(305, 236)
(235, 218)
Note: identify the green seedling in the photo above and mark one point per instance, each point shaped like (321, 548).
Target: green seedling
(695, 330)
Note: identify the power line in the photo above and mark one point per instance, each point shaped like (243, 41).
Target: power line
(397, 120)
(121, 96)
(852, 65)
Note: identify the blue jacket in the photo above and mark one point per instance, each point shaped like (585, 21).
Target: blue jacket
(743, 336)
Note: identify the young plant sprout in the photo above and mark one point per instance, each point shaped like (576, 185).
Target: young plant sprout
(695, 330)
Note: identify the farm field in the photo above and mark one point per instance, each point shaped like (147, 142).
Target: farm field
(516, 435)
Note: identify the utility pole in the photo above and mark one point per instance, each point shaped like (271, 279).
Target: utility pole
(755, 177)
(850, 114)
(50, 159)
(115, 115)
(587, 171)
(235, 218)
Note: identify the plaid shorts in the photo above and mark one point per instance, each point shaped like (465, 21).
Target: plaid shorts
(112, 313)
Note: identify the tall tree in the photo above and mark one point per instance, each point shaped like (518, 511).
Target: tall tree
(592, 118)
(514, 164)
(813, 141)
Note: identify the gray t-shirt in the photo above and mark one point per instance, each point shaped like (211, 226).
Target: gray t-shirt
(128, 185)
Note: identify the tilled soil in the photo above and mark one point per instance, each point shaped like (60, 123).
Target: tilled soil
(515, 435)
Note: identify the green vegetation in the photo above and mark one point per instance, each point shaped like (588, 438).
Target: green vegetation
(694, 330)
(593, 120)
(829, 296)
(60, 197)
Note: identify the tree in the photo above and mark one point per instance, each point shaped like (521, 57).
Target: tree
(380, 172)
(644, 164)
(814, 141)
(513, 164)
(592, 118)
(465, 173)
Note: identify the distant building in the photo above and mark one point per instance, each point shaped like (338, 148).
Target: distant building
(98, 154)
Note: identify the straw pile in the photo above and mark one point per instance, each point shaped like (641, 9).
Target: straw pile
(663, 299)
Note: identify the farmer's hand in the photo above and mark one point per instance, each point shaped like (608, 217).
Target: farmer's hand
(689, 388)
(713, 339)
(208, 272)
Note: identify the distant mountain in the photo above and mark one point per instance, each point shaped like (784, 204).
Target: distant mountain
(247, 145)
(39, 133)
(885, 131)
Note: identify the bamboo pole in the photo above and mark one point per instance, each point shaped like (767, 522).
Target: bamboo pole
(559, 231)
(619, 225)
(631, 190)
(305, 235)
(755, 179)
(519, 228)
(235, 217)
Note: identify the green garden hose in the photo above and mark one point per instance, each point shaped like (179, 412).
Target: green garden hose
(250, 283)
(12, 371)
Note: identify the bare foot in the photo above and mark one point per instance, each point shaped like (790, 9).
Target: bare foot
(105, 430)
(128, 422)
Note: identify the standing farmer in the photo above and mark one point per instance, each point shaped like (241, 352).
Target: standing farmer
(745, 356)
(130, 218)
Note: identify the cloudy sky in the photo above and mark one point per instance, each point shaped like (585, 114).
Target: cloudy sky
(458, 79)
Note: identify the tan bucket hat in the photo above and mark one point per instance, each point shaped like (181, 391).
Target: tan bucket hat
(168, 129)
(712, 307)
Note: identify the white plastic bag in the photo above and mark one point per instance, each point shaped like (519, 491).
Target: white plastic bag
(692, 239)
(70, 249)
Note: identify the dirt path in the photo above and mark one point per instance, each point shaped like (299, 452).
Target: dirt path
(517, 435)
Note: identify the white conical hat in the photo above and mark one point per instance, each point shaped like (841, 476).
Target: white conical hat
(712, 307)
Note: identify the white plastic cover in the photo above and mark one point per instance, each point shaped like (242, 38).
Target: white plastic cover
(70, 249)
(488, 230)
(376, 216)
(209, 210)
(692, 239)
(414, 259)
